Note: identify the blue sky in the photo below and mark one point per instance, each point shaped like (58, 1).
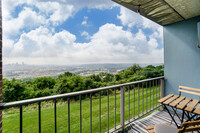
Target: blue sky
(78, 32)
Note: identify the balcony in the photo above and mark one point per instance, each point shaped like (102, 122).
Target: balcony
(122, 107)
(107, 109)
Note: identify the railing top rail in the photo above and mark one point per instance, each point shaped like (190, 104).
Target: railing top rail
(47, 98)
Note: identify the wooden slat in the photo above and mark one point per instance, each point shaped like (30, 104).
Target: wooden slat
(190, 129)
(189, 88)
(170, 99)
(190, 106)
(189, 92)
(197, 110)
(183, 104)
(150, 127)
(177, 101)
(165, 98)
(151, 131)
(191, 123)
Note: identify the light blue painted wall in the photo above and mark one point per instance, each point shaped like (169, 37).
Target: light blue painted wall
(181, 56)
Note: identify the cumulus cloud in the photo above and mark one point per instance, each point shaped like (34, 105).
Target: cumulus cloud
(40, 44)
(131, 19)
(54, 12)
(86, 34)
(111, 44)
(27, 18)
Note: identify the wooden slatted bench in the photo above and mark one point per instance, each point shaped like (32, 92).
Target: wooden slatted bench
(183, 103)
(180, 102)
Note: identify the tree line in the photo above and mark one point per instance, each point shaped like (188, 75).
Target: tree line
(15, 89)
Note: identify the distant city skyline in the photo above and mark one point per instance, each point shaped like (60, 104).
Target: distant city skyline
(21, 71)
(77, 32)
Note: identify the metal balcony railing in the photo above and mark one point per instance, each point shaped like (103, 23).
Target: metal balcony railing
(144, 92)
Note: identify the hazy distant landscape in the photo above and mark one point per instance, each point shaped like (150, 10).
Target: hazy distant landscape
(21, 71)
(20, 89)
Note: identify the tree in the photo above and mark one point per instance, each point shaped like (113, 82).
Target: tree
(106, 77)
(95, 77)
(44, 83)
(68, 74)
(134, 68)
(117, 77)
(13, 90)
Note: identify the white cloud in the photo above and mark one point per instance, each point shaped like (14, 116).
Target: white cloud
(40, 44)
(27, 18)
(56, 12)
(153, 43)
(8, 7)
(7, 46)
(158, 33)
(43, 43)
(86, 34)
(130, 18)
(111, 44)
(49, 12)
(85, 21)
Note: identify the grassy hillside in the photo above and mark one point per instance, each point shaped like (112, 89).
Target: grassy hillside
(30, 114)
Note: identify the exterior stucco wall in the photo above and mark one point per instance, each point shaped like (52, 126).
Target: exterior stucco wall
(181, 56)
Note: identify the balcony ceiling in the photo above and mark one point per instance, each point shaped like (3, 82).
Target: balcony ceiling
(164, 12)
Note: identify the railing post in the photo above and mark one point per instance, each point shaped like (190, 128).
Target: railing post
(162, 87)
(122, 107)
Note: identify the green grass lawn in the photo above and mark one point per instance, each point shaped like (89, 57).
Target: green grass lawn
(30, 113)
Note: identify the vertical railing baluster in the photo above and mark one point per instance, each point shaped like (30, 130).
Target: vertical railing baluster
(134, 101)
(100, 112)
(90, 112)
(159, 88)
(129, 103)
(55, 116)
(142, 99)
(156, 91)
(21, 120)
(122, 107)
(80, 113)
(153, 92)
(39, 118)
(138, 99)
(146, 96)
(115, 108)
(150, 95)
(68, 115)
(108, 111)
